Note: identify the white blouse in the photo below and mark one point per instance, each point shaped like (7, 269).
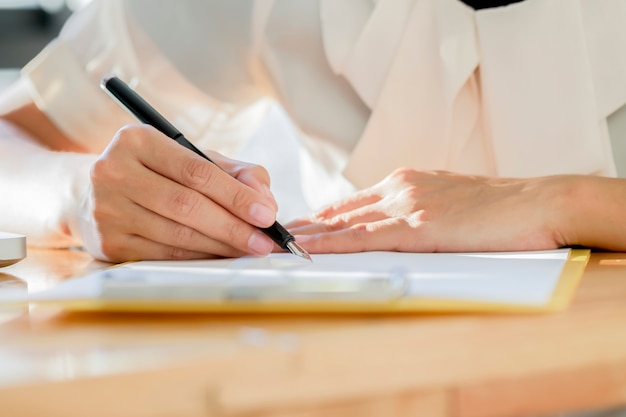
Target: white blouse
(368, 85)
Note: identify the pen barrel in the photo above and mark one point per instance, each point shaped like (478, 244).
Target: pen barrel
(278, 234)
(140, 108)
(185, 142)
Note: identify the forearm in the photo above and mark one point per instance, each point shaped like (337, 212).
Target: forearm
(41, 189)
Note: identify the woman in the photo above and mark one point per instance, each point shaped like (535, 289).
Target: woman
(370, 87)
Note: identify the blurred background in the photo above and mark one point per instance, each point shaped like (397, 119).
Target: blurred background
(26, 26)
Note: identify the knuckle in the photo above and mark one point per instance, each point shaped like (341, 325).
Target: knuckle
(110, 166)
(123, 135)
(105, 171)
(410, 193)
(197, 173)
(184, 203)
(174, 252)
(359, 232)
(412, 220)
(260, 172)
(326, 213)
(131, 136)
(236, 195)
(182, 235)
(403, 174)
(337, 223)
(236, 232)
(322, 214)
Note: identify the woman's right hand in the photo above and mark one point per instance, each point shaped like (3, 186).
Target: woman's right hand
(151, 198)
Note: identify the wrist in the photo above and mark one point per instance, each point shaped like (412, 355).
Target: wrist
(563, 194)
(588, 209)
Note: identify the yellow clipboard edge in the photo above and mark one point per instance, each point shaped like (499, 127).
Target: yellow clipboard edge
(570, 276)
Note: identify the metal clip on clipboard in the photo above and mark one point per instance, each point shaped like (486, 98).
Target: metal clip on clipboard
(252, 285)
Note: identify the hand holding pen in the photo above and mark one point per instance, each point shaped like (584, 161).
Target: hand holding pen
(182, 206)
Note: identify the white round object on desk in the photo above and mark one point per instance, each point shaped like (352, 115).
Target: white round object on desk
(12, 248)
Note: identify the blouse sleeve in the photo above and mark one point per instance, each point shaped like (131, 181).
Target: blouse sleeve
(144, 45)
(64, 78)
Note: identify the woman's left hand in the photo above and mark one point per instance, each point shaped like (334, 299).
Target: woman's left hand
(416, 211)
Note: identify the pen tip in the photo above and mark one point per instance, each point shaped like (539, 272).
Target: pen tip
(298, 250)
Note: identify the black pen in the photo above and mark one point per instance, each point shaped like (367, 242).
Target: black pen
(145, 113)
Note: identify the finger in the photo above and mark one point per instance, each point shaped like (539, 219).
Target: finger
(367, 214)
(299, 222)
(170, 233)
(357, 200)
(395, 234)
(251, 177)
(254, 176)
(164, 156)
(120, 235)
(134, 247)
(234, 166)
(190, 208)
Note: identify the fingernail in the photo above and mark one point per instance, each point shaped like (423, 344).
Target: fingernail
(264, 215)
(260, 244)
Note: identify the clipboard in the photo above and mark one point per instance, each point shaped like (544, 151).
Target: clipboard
(335, 285)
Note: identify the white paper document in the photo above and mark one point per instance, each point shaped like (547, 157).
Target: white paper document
(518, 278)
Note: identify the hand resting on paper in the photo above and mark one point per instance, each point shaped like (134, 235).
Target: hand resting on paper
(413, 211)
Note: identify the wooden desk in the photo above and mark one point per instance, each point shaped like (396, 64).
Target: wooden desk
(68, 364)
